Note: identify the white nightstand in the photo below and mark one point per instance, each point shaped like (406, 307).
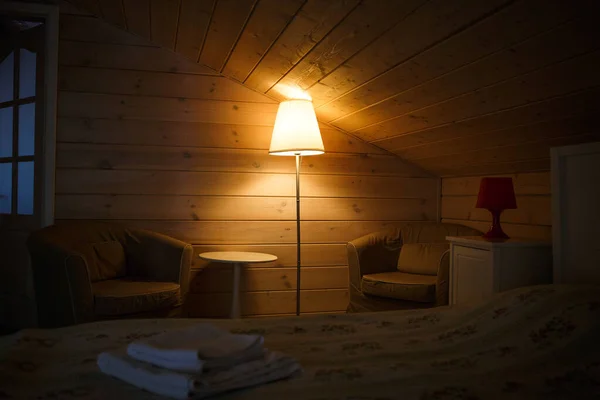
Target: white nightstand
(480, 268)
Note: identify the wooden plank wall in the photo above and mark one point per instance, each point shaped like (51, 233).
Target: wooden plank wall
(152, 140)
(532, 218)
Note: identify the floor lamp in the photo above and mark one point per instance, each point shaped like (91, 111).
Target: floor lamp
(296, 133)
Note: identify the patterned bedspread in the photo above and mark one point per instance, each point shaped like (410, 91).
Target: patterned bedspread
(533, 343)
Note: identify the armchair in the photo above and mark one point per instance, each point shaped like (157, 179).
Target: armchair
(85, 271)
(405, 267)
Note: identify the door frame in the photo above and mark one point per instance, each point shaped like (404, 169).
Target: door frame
(50, 14)
(561, 203)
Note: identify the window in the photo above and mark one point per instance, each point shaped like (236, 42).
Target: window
(19, 67)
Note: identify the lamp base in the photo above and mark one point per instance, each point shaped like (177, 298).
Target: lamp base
(496, 232)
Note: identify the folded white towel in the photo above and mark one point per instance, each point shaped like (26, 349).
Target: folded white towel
(145, 376)
(203, 346)
(271, 367)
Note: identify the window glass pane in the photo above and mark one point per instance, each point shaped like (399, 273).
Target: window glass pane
(6, 78)
(26, 129)
(25, 188)
(27, 74)
(5, 188)
(6, 131)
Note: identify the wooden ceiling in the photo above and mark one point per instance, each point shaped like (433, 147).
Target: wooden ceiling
(457, 87)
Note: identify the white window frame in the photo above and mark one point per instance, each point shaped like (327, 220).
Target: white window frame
(50, 14)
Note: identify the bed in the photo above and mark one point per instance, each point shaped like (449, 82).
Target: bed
(529, 343)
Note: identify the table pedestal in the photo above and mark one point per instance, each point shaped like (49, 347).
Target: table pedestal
(237, 259)
(235, 299)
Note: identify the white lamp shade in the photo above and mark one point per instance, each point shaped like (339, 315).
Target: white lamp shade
(296, 130)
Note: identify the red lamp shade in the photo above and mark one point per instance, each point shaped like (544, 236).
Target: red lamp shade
(496, 195)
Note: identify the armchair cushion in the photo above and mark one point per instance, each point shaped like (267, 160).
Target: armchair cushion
(108, 261)
(400, 285)
(421, 258)
(128, 296)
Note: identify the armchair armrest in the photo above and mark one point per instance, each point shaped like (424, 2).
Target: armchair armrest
(63, 289)
(442, 285)
(373, 253)
(159, 257)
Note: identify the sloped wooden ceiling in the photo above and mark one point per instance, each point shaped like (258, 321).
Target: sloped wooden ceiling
(457, 87)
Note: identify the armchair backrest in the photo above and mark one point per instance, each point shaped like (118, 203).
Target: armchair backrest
(101, 245)
(421, 258)
(433, 232)
(424, 244)
(111, 250)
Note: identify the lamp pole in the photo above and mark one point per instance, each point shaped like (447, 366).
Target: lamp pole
(296, 133)
(298, 233)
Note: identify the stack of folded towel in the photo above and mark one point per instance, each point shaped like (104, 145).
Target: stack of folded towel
(197, 362)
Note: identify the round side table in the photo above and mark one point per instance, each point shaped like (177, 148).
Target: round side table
(237, 258)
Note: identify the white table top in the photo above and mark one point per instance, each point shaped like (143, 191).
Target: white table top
(483, 242)
(237, 257)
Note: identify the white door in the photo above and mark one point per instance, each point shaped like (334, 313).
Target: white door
(576, 213)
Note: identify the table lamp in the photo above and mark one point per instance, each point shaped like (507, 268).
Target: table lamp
(496, 195)
(296, 133)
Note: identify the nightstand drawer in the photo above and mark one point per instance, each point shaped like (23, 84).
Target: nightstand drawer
(471, 275)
